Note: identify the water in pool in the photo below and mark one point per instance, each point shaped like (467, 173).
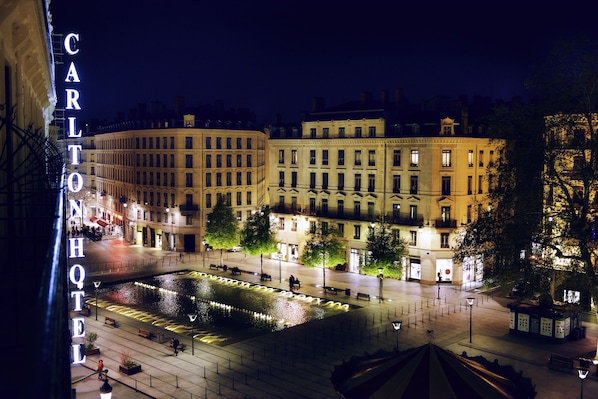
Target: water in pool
(228, 310)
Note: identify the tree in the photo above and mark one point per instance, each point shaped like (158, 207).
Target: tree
(258, 236)
(222, 231)
(385, 249)
(568, 84)
(323, 248)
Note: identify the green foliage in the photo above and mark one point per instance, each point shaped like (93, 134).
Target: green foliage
(258, 236)
(222, 230)
(384, 247)
(323, 248)
(90, 340)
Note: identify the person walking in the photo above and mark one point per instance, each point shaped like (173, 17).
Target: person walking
(100, 369)
(175, 345)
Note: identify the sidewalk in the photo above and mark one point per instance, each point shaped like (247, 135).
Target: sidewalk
(297, 362)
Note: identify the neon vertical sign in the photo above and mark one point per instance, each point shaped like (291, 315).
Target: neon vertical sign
(75, 250)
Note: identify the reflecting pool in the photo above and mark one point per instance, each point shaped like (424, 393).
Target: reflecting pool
(228, 310)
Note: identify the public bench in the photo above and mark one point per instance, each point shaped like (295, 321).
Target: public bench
(235, 270)
(110, 321)
(332, 290)
(145, 333)
(361, 295)
(296, 283)
(561, 363)
(265, 277)
(213, 266)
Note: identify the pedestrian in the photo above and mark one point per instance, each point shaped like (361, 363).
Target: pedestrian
(100, 369)
(175, 345)
(291, 282)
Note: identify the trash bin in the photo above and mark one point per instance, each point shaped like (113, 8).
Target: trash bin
(348, 291)
(160, 337)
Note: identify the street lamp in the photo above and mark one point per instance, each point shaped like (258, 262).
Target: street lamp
(105, 389)
(397, 326)
(438, 284)
(280, 266)
(192, 317)
(381, 278)
(582, 373)
(97, 285)
(470, 303)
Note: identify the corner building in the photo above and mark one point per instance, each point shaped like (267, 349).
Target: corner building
(349, 169)
(158, 185)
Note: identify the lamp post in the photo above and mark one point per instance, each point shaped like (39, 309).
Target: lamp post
(279, 266)
(192, 317)
(381, 278)
(582, 373)
(438, 284)
(97, 285)
(397, 326)
(105, 389)
(470, 303)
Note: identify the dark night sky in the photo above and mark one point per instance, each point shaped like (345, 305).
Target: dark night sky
(273, 56)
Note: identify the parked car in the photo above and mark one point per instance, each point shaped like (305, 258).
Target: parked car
(236, 248)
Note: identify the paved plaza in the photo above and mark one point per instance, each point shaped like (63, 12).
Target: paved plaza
(297, 362)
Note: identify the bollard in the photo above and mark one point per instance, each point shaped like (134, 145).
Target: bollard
(176, 378)
(150, 380)
(204, 371)
(217, 368)
(229, 363)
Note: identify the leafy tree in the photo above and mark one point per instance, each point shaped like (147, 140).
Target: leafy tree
(385, 248)
(258, 236)
(323, 249)
(222, 231)
(568, 84)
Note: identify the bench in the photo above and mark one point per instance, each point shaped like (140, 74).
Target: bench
(110, 321)
(235, 270)
(296, 283)
(361, 295)
(213, 266)
(561, 363)
(145, 333)
(332, 290)
(265, 277)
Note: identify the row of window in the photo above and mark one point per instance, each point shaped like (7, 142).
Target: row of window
(414, 160)
(444, 237)
(161, 199)
(357, 132)
(168, 143)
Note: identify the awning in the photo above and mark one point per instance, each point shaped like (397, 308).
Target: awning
(93, 219)
(101, 223)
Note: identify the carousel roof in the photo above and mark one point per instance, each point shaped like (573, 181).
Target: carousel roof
(426, 372)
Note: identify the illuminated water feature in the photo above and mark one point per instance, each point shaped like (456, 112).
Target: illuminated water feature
(228, 310)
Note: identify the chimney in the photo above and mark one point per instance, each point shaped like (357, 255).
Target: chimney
(383, 97)
(366, 97)
(398, 95)
(317, 104)
(465, 120)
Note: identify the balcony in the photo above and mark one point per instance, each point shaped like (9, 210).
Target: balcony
(189, 209)
(407, 220)
(449, 223)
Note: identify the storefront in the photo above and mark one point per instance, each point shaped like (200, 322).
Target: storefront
(415, 269)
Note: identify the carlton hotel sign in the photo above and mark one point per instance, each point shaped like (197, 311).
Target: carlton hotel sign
(75, 250)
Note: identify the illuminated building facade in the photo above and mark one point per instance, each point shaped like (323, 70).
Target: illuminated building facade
(158, 185)
(351, 168)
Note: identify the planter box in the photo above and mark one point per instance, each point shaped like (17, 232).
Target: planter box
(130, 370)
(93, 351)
